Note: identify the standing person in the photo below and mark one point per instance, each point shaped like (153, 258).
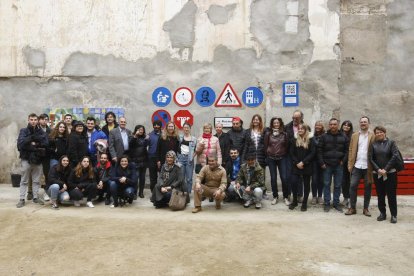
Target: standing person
(207, 144)
(224, 141)
(57, 185)
(250, 182)
(186, 156)
(383, 156)
(152, 152)
(171, 177)
(168, 141)
(359, 166)
(347, 129)
(255, 141)
(32, 144)
(77, 143)
(110, 120)
(94, 133)
(236, 135)
(68, 121)
(119, 140)
(123, 181)
(43, 123)
(292, 129)
(82, 182)
(102, 172)
(332, 149)
(138, 154)
(317, 171)
(215, 181)
(276, 146)
(58, 143)
(302, 153)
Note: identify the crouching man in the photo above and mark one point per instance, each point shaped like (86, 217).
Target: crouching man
(215, 181)
(250, 182)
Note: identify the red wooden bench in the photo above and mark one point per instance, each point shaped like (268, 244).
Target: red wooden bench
(405, 179)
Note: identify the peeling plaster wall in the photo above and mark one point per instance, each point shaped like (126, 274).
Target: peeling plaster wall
(350, 58)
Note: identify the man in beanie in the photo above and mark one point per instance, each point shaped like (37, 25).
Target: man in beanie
(152, 152)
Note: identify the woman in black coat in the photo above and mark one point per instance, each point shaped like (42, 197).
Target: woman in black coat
(82, 182)
(302, 153)
(58, 143)
(138, 154)
(57, 182)
(171, 177)
(384, 156)
(77, 143)
(123, 181)
(168, 141)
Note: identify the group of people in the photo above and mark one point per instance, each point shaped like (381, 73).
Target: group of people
(78, 159)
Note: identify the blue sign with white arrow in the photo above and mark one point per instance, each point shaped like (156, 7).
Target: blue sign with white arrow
(205, 96)
(252, 97)
(161, 96)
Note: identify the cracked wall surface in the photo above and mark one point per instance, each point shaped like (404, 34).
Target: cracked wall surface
(350, 58)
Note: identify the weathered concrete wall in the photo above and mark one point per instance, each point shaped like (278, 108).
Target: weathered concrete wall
(350, 58)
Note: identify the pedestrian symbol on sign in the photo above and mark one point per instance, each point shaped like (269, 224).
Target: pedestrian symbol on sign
(228, 97)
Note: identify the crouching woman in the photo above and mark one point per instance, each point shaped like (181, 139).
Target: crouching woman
(57, 180)
(171, 177)
(123, 182)
(82, 182)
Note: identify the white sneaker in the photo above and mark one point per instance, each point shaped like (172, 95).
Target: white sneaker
(76, 203)
(274, 201)
(46, 197)
(90, 204)
(287, 201)
(300, 199)
(320, 201)
(314, 201)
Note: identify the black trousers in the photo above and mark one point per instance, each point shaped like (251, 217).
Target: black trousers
(46, 168)
(89, 192)
(141, 180)
(153, 172)
(387, 188)
(346, 180)
(296, 181)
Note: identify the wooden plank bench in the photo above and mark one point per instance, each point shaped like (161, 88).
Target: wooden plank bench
(405, 180)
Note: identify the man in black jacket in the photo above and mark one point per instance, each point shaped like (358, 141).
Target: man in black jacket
(237, 136)
(102, 172)
(332, 148)
(224, 144)
(31, 143)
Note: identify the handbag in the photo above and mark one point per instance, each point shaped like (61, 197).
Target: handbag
(178, 200)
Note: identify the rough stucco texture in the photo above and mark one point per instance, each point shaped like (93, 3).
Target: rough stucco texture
(116, 55)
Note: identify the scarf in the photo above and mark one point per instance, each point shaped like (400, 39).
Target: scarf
(275, 131)
(208, 137)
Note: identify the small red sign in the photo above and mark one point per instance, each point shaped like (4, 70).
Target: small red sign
(183, 116)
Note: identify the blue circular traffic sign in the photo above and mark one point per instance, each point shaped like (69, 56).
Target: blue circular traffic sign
(161, 96)
(205, 96)
(252, 97)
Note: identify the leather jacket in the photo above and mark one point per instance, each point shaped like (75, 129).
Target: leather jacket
(383, 155)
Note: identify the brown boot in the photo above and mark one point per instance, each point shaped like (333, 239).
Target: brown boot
(196, 209)
(218, 204)
(366, 213)
(351, 211)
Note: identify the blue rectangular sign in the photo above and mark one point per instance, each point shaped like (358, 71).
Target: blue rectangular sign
(291, 94)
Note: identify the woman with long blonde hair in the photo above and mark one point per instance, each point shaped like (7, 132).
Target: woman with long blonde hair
(302, 153)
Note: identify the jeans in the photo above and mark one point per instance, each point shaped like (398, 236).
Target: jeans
(232, 194)
(281, 165)
(255, 195)
(188, 168)
(356, 175)
(55, 193)
(317, 179)
(117, 191)
(336, 172)
(387, 188)
(89, 191)
(30, 170)
(153, 171)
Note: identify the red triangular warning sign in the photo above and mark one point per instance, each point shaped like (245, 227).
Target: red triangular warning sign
(228, 98)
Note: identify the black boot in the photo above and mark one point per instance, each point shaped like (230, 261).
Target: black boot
(294, 203)
(304, 207)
